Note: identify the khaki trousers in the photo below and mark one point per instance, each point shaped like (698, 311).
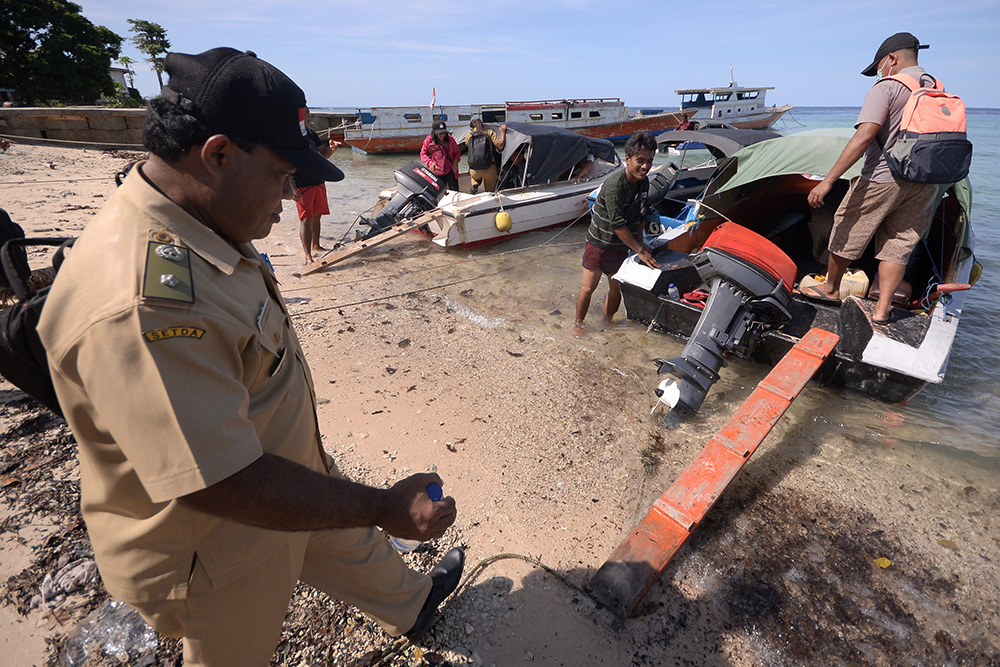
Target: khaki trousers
(240, 623)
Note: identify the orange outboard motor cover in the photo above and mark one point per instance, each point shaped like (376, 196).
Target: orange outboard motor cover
(751, 247)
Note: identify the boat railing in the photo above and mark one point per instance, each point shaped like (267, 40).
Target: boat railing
(581, 101)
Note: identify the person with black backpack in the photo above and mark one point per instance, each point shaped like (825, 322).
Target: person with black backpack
(481, 143)
(893, 209)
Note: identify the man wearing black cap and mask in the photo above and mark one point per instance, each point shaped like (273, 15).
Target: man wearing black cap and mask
(204, 484)
(896, 212)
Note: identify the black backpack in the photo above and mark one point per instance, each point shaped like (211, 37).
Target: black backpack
(480, 151)
(23, 361)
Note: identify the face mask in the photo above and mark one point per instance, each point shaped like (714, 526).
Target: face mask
(879, 75)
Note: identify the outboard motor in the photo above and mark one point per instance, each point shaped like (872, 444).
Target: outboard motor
(751, 283)
(417, 190)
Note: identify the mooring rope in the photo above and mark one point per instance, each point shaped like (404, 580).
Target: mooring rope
(403, 644)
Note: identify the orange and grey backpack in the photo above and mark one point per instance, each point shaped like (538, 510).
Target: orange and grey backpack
(931, 146)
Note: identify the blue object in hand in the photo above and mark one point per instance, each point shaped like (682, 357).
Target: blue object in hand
(434, 492)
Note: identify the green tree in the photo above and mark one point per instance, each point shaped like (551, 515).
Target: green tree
(49, 51)
(151, 39)
(127, 63)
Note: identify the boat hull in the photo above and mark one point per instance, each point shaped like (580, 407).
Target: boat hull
(622, 130)
(761, 121)
(615, 123)
(841, 369)
(470, 220)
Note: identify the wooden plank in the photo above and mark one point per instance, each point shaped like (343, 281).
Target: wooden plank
(627, 576)
(335, 256)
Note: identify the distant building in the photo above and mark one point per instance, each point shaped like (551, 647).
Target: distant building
(118, 76)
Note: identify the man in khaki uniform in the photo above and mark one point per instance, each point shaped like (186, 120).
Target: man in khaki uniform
(204, 485)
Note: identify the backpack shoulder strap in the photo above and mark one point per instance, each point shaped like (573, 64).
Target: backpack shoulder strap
(912, 83)
(904, 79)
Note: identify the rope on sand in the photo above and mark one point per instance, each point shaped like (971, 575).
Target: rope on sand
(402, 644)
(500, 256)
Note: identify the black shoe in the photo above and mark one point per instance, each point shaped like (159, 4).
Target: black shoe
(445, 577)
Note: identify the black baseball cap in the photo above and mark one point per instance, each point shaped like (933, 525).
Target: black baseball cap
(236, 92)
(439, 126)
(901, 40)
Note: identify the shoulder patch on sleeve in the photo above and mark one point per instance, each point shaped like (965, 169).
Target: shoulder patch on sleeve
(168, 273)
(173, 332)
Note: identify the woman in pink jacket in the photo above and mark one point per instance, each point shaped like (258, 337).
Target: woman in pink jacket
(440, 153)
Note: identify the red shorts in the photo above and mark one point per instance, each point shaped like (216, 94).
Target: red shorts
(605, 261)
(312, 202)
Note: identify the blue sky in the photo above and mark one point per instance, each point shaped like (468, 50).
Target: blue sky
(364, 53)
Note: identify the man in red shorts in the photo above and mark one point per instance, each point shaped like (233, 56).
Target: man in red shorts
(616, 228)
(310, 196)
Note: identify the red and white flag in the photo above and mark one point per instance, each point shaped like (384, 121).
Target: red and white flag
(434, 94)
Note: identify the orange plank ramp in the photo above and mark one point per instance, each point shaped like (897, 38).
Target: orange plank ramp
(336, 256)
(624, 580)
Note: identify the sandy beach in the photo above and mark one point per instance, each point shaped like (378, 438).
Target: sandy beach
(547, 445)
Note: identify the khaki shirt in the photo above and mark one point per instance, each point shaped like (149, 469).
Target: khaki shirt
(171, 385)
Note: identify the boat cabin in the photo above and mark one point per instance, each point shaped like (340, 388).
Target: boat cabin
(721, 103)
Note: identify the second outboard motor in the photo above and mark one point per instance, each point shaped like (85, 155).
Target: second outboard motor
(417, 190)
(751, 282)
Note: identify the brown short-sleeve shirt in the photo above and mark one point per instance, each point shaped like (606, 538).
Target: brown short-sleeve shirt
(176, 365)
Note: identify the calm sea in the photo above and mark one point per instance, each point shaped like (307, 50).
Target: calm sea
(538, 286)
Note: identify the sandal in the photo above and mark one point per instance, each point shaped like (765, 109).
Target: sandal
(812, 293)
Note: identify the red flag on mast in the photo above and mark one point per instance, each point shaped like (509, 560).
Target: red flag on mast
(434, 95)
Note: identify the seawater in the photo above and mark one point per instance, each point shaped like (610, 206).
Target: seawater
(532, 282)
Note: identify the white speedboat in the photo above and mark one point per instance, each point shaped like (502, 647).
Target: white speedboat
(537, 189)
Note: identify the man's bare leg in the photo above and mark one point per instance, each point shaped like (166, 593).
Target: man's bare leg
(314, 227)
(305, 236)
(591, 279)
(835, 269)
(612, 302)
(890, 275)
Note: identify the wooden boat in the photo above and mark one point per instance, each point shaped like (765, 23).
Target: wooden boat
(403, 129)
(763, 188)
(731, 106)
(550, 194)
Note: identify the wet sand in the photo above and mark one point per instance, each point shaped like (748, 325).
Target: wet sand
(424, 357)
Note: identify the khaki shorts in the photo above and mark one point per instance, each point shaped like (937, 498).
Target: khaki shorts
(897, 214)
(487, 177)
(240, 623)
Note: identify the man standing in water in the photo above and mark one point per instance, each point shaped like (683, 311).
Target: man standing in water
(310, 195)
(616, 228)
(205, 487)
(896, 212)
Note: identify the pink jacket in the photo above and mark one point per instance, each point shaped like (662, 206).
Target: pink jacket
(440, 157)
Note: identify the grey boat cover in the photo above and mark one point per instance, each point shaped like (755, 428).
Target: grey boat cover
(553, 150)
(720, 142)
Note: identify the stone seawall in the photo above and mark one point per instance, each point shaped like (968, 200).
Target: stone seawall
(119, 128)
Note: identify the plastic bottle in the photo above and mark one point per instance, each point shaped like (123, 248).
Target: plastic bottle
(435, 493)
(673, 292)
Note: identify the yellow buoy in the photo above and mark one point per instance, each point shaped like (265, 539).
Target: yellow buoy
(502, 221)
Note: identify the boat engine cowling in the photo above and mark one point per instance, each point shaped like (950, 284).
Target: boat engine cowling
(417, 190)
(751, 283)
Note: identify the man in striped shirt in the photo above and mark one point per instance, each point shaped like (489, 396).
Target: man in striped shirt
(616, 228)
